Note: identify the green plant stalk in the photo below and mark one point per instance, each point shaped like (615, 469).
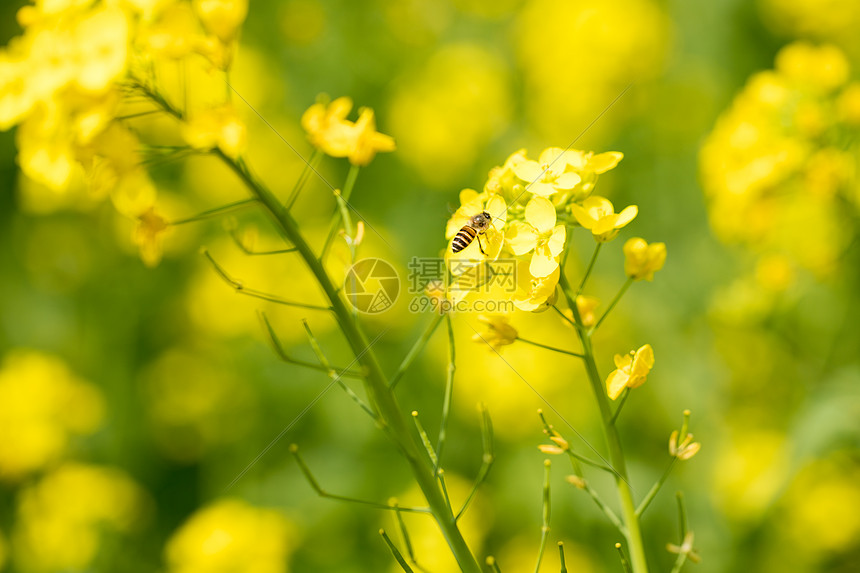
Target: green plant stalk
(382, 398)
(613, 440)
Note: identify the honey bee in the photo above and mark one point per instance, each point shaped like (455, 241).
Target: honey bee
(477, 226)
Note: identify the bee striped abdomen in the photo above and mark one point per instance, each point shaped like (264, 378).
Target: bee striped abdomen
(463, 238)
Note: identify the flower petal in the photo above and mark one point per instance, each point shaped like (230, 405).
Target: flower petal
(616, 382)
(554, 157)
(598, 206)
(540, 213)
(556, 241)
(498, 210)
(627, 215)
(603, 162)
(541, 189)
(520, 237)
(528, 171)
(542, 263)
(582, 216)
(567, 181)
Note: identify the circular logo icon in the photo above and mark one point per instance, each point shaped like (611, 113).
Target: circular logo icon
(371, 285)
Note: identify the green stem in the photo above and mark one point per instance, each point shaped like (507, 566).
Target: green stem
(612, 304)
(561, 557)
(620, 405)
(344, 195)
(616, 454)
(449, 391)
(216, 212)
(649, 497)
(309, 167)
(588, 270)
(415, 350)
(544, 530)
(392, 418)
(547, 347)
(391, 415)
(395, 552)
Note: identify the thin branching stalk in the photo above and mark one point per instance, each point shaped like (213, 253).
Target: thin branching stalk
(449, 392)
(216, 212)
(545, 515)
(616, 455)
(486, 461)
(588, 270)
(396, 552)
(652, 493)
(561, 557)
(612, 304)
(294, 449)
(382, 400)
(548, 347)
(416, 349)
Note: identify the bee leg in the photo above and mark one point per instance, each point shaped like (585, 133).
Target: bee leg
(480, 245)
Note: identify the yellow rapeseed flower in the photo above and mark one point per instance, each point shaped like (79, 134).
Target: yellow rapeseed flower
(538, 234)
(63, 519)
(642, 260)
(231, 535)
(548, 175)
(43, 406)
(222, 17)
(534, 294)
(586, 305)
(631, 370)
(684, 450)
(589, 166)
(330, 131)
(101, 43)
(598, 216)
(217, 127)
(497, 331)
(148, 236)
(368, 142)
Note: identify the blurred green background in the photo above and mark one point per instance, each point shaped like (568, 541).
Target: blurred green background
(182, 391)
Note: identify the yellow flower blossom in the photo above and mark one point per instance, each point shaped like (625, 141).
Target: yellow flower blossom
(586, 305)
(631, 370)
(588, 166)
(823, 68)
(598, 216)
(231, 535)
(368, 142)
(218, 127)
(684, 450)
(548, 175)
(174, 34)
(642, 260)
(539, 234)
(148, 236)
(101, 40)
(64, 518)
(534, 294)
(43, 406)
(502, 178)
(222, 17)
(497, 331)
(330, 131)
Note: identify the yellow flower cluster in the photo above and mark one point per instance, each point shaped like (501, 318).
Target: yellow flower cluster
(782, 160)
(329, 131)
(43, 406)
(230, 535)
(631, 370)
(62, 519)
(532, 204)
(64, 83)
